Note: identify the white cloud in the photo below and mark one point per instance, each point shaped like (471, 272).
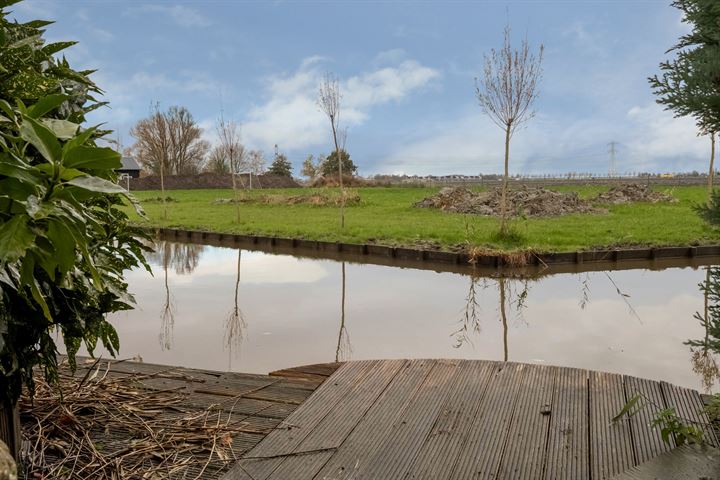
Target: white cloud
(290, 115)
(179, 14)
(650, 140)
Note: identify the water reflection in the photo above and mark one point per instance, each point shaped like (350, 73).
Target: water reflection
(407, 313)
(344, 348)
(235, 324)
(704, 352)
(184, 258)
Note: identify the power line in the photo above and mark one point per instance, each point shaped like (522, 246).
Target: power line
(612, 151)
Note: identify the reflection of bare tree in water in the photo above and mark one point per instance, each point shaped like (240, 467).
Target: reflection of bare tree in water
(167, 316)
(184, 258)
(344, 348)
(508, 298)
(235, 323)
(704, 352)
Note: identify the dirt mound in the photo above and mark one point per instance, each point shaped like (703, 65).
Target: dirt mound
(334, 181)
(633, 192)
(314, 199)
(528, 201)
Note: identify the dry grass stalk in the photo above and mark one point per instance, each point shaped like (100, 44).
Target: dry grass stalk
(104, 426)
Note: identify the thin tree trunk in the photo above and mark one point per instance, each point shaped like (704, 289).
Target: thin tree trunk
(235, 196)
(711, 173)
(342, 191)
(503, 317)
(162, 189)
(503, 198)
(342, 317)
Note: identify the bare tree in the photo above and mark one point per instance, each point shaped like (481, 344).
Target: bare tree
(217, 161)
(329, 102)
(234, 152)
(255, 164)
(171, 141)
(506, 92)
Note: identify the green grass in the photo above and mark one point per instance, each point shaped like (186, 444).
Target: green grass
(386, 215)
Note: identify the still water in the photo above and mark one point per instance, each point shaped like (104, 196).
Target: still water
(249, 311)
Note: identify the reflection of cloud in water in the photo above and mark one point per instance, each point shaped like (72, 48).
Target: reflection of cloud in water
(257, 268)
(406, 313)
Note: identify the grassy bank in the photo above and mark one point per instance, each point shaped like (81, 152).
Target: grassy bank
(386, 215)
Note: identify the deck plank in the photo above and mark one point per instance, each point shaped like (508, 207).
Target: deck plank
(398, 450)
(611, 449)
(375, 426)
(524, 456)
(480, 458)
(690, 407)
(450, 432)
(647, 441)
(567, 448)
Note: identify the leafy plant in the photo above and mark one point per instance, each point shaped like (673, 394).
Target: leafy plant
(671, 424)
(710, 212)
(64, 239)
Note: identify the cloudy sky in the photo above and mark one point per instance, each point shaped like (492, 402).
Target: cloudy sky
(407, 73)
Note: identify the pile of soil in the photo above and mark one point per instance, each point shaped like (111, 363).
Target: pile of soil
(334, 181)
(633, 192)
(528, 201)
(314, 199)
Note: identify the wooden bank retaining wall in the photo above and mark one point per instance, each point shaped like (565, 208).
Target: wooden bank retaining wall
(563, 262)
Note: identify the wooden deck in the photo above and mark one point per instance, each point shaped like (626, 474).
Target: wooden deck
(252, 405)
(440, 419)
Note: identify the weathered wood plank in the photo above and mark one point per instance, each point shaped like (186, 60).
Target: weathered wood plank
(301, 466)
(449, 433)
(482, 453)
(611, 449)
(567, 448)
(647, 441)
(689, 405)
(365, 439)
(525, 449)
(346, 414)
(300, 423)
(398, 450)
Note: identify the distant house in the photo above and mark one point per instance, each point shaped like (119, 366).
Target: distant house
(129, 167)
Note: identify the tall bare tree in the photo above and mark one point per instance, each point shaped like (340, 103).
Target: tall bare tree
(255, 165)
(170, 140)
(217, 161)
(234, 152)
(329, 102)
(507, 92)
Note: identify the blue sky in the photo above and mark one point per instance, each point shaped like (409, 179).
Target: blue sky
(407, 73)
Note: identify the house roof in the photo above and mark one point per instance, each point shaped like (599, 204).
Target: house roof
(129, 163)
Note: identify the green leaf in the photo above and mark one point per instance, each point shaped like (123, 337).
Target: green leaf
(95, 184)
(15, 238)
(628, 408)
(27, 279)
(64, 243)
(92, 157)
(63, 129)
(38, 23)
(41, 138)
(17, 171)
(79, 140)
(53, 48)
(46, 104)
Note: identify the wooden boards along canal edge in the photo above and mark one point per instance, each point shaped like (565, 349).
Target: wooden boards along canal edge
(465, 419)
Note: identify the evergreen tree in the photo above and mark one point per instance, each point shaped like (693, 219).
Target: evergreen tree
(280, 165)
(331, 165)
(690, 83)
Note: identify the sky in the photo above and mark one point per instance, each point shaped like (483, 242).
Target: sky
(406, 72)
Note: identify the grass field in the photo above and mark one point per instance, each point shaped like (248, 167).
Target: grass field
(386, 215)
